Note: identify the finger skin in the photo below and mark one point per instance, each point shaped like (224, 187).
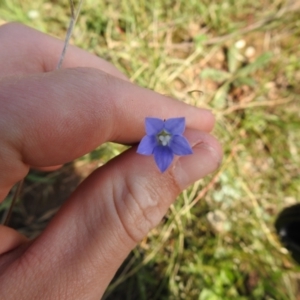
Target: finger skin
(103, 220)
(39, 113)
(48, 119)
(12, 238)
(52, 118)
(47, 169)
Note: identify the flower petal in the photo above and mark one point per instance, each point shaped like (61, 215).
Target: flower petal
(163, 157)
(147, 145)
(175, 125)
(154, 125)
(180, 145)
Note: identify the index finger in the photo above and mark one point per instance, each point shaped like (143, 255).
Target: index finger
(55, 117)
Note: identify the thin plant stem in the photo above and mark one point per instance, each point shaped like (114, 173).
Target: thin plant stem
(69, 32)
(16, 195)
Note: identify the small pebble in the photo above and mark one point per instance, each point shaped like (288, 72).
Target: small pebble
(250, 52)
(33, 14)
(240, 44)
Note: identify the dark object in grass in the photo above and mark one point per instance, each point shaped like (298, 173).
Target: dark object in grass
(288, 229)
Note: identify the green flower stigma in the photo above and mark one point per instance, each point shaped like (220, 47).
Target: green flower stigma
(163, 138)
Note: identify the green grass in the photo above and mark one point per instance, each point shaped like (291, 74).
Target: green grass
(176, 47)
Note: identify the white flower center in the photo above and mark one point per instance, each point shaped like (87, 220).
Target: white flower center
(164, 138)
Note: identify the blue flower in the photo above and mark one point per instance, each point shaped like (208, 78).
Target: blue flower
(164, 139)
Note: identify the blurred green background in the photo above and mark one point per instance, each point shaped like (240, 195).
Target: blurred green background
(241, 60)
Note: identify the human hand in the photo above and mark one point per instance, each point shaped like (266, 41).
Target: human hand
(48, 118)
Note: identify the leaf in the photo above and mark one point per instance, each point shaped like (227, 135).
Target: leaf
(199, 39)
(207, 294)
(215, 75)
(259, 63)
(245, 81)
(220, 98)
(39, 178)
(233, 59)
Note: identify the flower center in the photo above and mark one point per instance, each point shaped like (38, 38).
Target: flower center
(163, 138)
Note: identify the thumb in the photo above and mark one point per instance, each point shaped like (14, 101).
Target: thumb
(107, 216)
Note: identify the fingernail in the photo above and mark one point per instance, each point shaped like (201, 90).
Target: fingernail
(191, 168)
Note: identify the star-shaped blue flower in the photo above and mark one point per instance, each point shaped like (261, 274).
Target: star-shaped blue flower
(164, 139)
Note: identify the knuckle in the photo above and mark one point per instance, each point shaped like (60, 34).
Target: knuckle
(142, 208)
(144, 203)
